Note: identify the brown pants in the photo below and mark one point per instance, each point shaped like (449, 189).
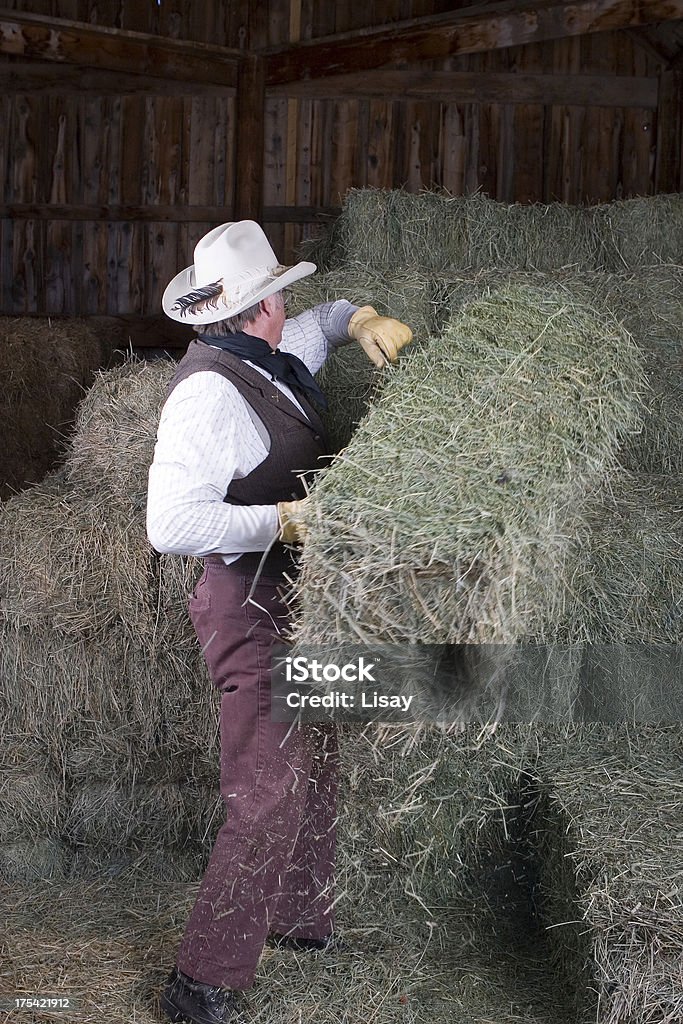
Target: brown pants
(271, 866)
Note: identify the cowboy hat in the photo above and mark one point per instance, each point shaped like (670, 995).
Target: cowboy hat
(234, 268)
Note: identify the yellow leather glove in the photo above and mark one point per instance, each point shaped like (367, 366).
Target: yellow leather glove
(289, 513)
(381, 337)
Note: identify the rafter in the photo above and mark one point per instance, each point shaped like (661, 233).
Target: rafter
(467, 30)
(481, 87)
(92, 46)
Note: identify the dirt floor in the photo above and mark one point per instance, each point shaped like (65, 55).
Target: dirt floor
(109, 943)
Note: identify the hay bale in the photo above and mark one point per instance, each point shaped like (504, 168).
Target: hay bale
(432, 231)
(105, 812)
(30, 791)
(542, 684)
(95, 573)
(628, 579)
(608, 889)
(451, 515)
(323, 246)
(32, 860)
(391, 293)
(145, 814)
(649, 304)
(45, 366)
(90, 752)
(84, 579)
(61, 693)
(641, 232)
(637, 682)
(154, 864)
(113, 440)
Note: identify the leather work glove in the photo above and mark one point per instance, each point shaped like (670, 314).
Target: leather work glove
(381, 337)
(292, 530)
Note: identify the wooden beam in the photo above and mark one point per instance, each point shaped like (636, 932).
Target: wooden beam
(155, 331)
(145, 331)
(467, 30)
(92, 46)
(63, 211)
(22, 77)
(481, 87)
(249, 138)
(651, 46)
(298, 214)
(668, 161)
(661, 42)
(159, 214)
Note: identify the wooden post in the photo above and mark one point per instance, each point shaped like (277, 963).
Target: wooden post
(291, 162)
(249, 138)
(669, 159)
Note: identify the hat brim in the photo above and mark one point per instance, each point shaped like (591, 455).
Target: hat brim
(184, 282)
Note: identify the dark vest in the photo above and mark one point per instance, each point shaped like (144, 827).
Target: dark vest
(296, 443)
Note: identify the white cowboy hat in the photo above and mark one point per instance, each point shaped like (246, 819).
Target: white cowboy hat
(234, 268)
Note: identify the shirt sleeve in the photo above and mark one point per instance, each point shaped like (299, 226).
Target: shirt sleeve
(312, 334)
(205, 439)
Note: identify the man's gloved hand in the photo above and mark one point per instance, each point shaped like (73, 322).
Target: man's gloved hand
(381, 337)
(292, 530)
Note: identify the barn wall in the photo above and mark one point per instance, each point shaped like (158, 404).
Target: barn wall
(172, 151)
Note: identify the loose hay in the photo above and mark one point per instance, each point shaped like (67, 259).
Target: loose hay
(400, 974)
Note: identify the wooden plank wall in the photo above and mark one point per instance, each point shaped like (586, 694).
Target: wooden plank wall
(513, 152)
(177, 150)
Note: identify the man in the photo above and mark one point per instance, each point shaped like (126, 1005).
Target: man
(238, 440)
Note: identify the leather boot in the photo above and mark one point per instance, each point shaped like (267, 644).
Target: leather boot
(185, 999)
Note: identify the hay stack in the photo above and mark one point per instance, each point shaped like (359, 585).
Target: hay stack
(432, 231)
(29, 788)
(45, 367)
(609, 888)
(641, 232)
(99, 662)
(451, 515)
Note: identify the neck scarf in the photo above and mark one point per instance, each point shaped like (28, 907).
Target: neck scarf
(280, 365)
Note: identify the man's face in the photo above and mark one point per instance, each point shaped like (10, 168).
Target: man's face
(281, 313)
